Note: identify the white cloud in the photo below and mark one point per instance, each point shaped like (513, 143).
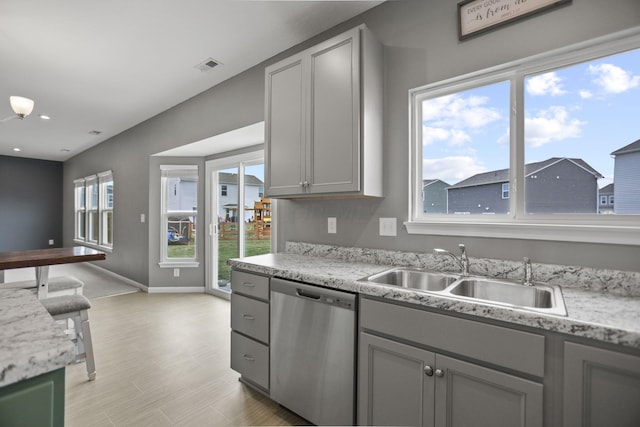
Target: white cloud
(455, 111)
(545, 84)
(585, 94)
(613, 79)
(451, 136)
(451, 169)
(553, 124)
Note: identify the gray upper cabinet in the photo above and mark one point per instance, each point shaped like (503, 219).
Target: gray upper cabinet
(323, 130)
(601, 387)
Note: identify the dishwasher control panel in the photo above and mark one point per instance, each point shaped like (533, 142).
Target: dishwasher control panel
(340, 302)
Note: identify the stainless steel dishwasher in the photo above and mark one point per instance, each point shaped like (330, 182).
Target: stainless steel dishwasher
(312, 360)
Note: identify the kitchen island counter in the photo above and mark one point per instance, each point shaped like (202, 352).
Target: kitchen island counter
(31, 343)
(592, 314)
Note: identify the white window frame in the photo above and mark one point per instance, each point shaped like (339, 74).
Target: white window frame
(506, 189)
(167, 171)
(623, 229)
(105, 207)
(86, 208)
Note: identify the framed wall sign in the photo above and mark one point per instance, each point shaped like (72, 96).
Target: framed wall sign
(477, 16)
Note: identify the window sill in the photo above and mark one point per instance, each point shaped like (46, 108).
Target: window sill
(179, 264)
(619, 234)
(107, 249)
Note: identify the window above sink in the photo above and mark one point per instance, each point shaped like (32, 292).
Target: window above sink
(524, 150)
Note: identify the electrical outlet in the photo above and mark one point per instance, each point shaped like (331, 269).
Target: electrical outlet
(51, 242)
(176, 272)
(388, 227)
(332, 225)
(142, 218)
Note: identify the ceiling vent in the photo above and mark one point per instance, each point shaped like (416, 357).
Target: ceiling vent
(207, 65)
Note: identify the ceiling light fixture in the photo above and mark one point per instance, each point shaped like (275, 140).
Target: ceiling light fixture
(45, 117)
(21, 106)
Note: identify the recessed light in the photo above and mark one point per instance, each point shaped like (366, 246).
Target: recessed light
(95, 132)
(65, 150)
(45, 117)
(17, 149)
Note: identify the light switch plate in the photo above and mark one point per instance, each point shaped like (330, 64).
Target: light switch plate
(388, 227)
(331, 225)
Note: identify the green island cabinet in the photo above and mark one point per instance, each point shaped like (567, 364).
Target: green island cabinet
(34, 402)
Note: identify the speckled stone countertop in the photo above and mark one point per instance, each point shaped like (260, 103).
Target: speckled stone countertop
(31, 343)
(601, 305)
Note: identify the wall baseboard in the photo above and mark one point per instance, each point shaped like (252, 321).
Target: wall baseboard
(175, 289)
(119, 277)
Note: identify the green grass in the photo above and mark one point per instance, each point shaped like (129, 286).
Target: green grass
(226, 249)
(229, 249)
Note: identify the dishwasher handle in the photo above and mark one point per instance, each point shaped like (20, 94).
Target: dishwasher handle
(306, 294)
(316, 294)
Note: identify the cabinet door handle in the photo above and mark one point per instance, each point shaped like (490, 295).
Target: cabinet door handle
(428, 370)
(439, 373)
(248, 317)
(248, 284)
(249, 357)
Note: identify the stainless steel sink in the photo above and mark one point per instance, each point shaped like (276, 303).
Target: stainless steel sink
(542, 298)
(413, 278)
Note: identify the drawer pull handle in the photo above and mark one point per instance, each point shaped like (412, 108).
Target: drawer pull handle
(248, 284)
(248, 317)
(249, 357)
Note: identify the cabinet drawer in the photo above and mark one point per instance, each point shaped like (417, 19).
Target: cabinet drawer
(250, 284)
(509, 348)
(250, 316)
(251, 359)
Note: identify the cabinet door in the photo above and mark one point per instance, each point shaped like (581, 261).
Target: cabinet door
(393, 387)
(284, 127)
(471, 395)
(333, 115)
(601, 387)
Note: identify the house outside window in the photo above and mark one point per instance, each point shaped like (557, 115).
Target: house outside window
(523, 127)
(94, 204)
(223, 190)
(179, 201)
(505, 190)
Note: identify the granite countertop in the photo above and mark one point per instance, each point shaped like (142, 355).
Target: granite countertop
(591, 314)
(31, 343)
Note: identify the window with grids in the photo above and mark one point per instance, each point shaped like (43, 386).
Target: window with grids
(94, 210)
(179, 202)
(532, 145)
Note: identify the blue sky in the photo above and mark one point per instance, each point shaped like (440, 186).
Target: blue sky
(582, 111)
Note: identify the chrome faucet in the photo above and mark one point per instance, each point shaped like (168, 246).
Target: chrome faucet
(463, 261)
(528, 272)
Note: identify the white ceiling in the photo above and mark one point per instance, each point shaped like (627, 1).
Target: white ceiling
(110, 65)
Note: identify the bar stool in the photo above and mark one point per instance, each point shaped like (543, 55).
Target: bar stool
(75, 307)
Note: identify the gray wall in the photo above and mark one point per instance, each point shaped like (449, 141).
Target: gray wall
(30, 203)
(421, 47)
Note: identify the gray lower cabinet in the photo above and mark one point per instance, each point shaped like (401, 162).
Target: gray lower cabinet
(405, 385)
(420, 368)
(601, 387)
(250, 328)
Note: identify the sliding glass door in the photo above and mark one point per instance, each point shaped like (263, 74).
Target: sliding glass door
(240, 216)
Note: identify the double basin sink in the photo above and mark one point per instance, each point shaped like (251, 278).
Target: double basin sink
(538, 297)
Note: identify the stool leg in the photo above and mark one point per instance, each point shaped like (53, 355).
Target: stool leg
(88, 345)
